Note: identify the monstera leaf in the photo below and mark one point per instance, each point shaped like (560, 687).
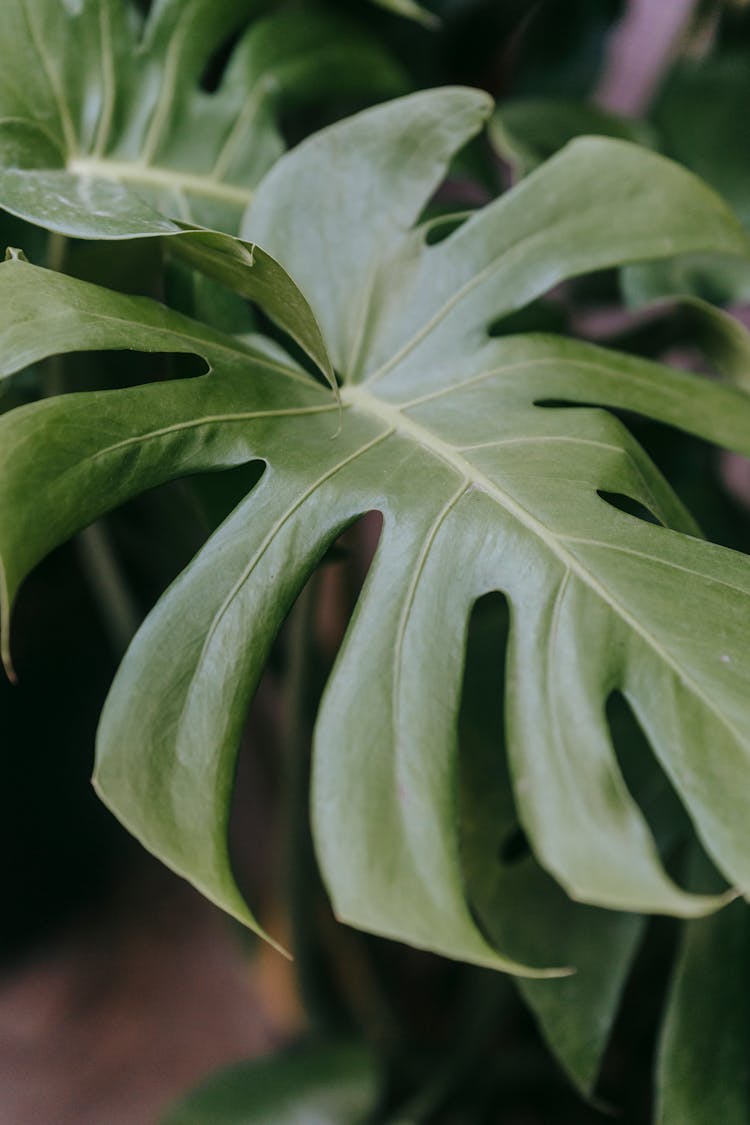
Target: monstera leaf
(494, 467)
(104, 122)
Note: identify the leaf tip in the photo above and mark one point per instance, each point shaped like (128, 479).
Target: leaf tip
(430, 20)
(558, 974)
(7, 659)
(5, 654)
(15, 254)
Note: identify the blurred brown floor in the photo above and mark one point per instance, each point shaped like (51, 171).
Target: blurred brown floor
(107, 1025)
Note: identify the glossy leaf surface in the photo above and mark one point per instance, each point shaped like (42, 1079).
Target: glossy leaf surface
(486, 482)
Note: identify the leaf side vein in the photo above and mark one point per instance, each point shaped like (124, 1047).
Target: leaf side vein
(368, 404)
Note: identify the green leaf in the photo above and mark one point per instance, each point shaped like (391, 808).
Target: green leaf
(322, 1083)
(518, 905)
(411, 10)
(723, 339)
(716, 277)
(703, 1071)
(250, 272)
(527, 132)
(485, 483)
(104, 128)
(697, 123)
(366, 182)
(241, 267)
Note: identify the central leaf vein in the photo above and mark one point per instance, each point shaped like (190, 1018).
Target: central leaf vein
(139, 173)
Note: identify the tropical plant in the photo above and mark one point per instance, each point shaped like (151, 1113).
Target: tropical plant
(400, 369)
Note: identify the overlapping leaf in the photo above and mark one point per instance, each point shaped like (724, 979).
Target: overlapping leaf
(703, 1071)
(692, 122)
(330, 1084)
(485, 483)
(104, 125)
(527, 132)
(518, 905)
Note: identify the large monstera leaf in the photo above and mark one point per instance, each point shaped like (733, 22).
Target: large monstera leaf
(486, 481)
(104, 125)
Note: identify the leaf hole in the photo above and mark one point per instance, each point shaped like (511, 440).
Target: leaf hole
(515, 847)
(693, 468)
(213, 71)
(439, 228)
(566, 404)
(646, 779)
(631, 507)
(690, 464)
(120, 370)
(545, 315)
(270, 799)
(487, 807)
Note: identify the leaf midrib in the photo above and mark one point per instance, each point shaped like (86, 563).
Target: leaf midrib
(140, 173)
(396, 420)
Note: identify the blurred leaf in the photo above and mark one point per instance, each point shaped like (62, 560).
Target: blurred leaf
(526, 133)
(314, 1084)
(105, 117)
(562, 48)
(717, 278)
(703, 1072)
(698, 122)
(722, 338)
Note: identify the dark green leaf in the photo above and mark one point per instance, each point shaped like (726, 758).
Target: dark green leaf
(311, 1085)
(696, 115)
(703, 1072)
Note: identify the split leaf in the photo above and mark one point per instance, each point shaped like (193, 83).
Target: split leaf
(493, 460)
